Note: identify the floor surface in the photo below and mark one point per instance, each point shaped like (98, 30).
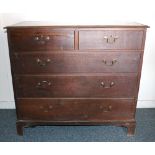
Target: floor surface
(145, 130)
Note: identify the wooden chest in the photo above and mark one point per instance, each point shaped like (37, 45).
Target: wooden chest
(76, 75)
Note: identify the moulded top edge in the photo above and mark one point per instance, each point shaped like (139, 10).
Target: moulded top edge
(31, 24)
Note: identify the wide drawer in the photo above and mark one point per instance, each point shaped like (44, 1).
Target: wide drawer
(75, 62)
(75, 109)
(111, 39)
(30, 39)
(76, 86)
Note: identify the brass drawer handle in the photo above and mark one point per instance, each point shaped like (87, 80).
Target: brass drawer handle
(43, 62)
(109, 86)
(85, 116)
(41, 39)
(43, 84)
(111, 39)
(46, 109)
(106, 109)
(111, 63)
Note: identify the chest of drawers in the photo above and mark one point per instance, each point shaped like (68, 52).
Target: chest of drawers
(76, 75)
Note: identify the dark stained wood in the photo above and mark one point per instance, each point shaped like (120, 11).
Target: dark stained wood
(131, 128)
(35, 24)
(20, 126)
(41, 39)
(77, 74)
(75, 62)
(76, 39)
(76, 86)
(111, 39)
(76, 109)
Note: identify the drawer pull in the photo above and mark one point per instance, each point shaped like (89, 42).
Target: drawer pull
(46, 109)
(106, 109)
(43, 84)
(111, 63)
(41, 39)
(111, 39)
(43, 62)
(85, 116)
(109, 86)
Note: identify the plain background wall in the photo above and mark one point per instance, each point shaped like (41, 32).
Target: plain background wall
(80, 12)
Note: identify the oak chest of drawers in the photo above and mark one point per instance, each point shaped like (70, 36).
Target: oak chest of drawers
(76, 75)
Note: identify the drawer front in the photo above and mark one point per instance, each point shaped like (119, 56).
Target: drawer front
(76, 62)
(111, 39)
(41, 39)
(76, 86)
(75, 109)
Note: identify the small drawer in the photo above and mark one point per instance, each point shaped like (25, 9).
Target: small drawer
(93, 110)
(75, 62)
(37, 39)
(111, 39)
(76, 86)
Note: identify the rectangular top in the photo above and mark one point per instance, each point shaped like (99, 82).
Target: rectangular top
(27, 24)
